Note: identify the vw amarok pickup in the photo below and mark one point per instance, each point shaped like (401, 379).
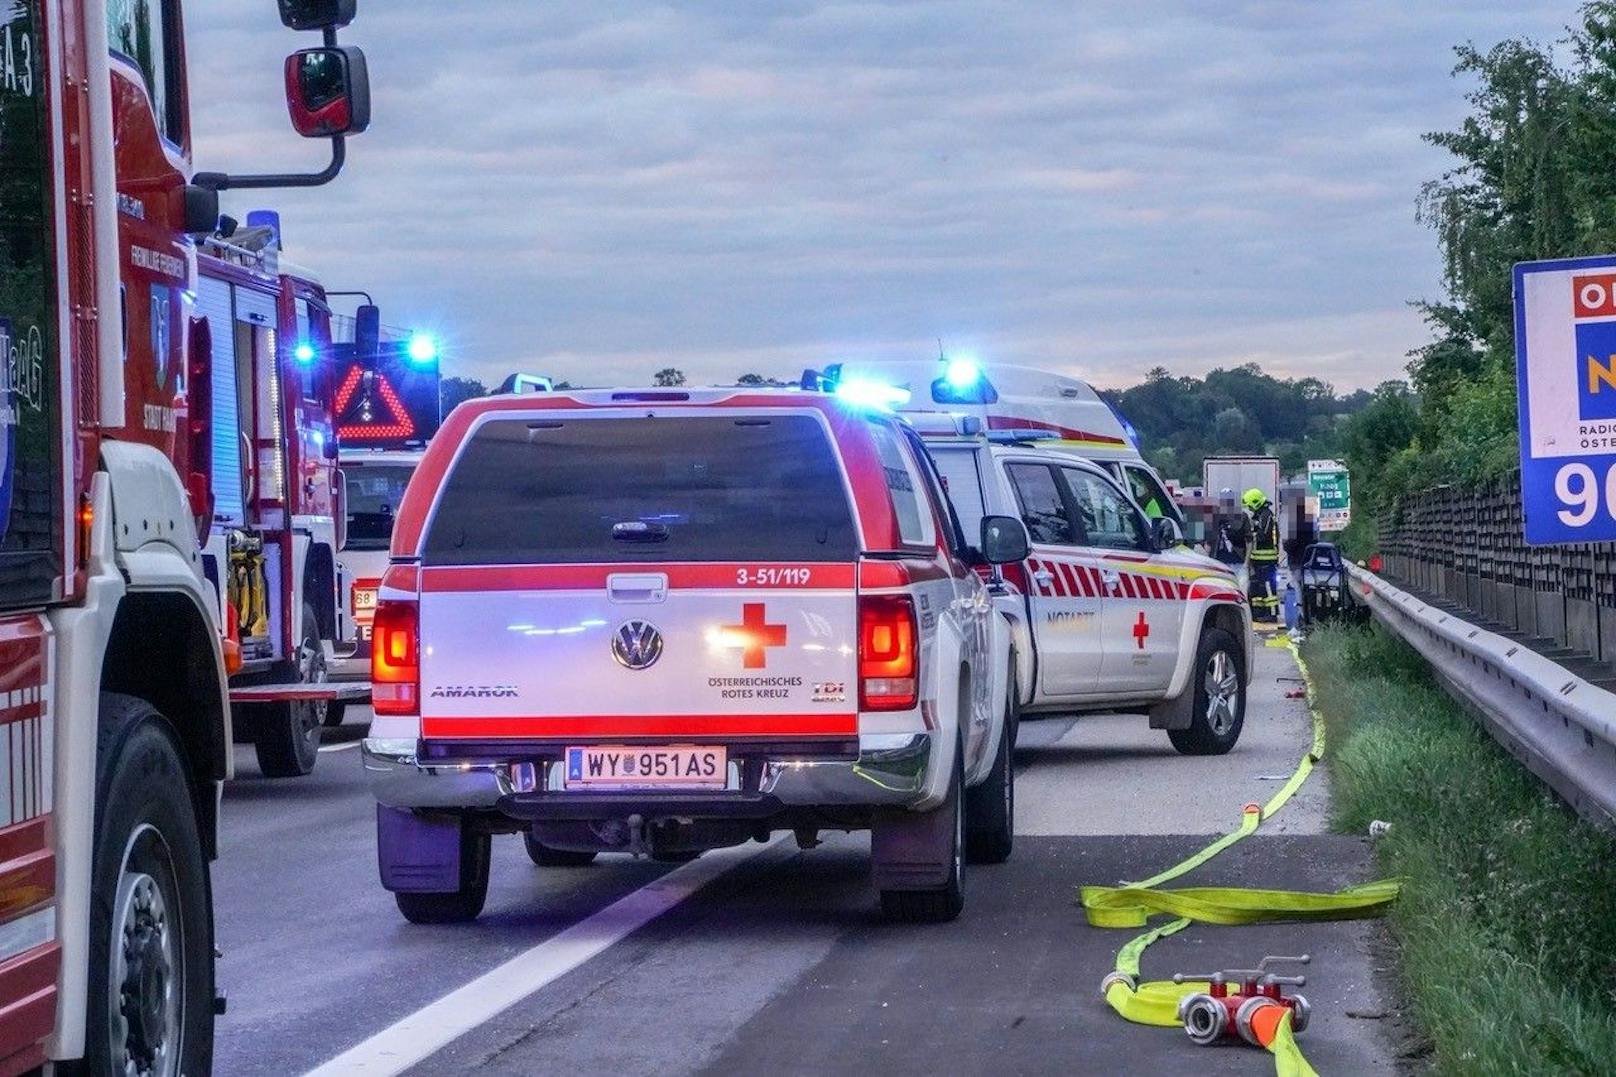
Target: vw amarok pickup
(661, 622)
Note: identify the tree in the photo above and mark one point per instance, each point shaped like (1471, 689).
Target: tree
(751, 379)
(455, 391)
(669, 376)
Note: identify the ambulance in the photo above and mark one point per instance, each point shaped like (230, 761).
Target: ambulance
(1064, 414)
(1110, 611)
(665, 621)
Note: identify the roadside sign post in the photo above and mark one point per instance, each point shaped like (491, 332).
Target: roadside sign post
(1565, 354)
(1329, 490)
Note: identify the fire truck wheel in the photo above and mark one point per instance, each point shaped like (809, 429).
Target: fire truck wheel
(940, 904)
(1220, 697)
(453, 906)
(288, 734)
(151, 921)
(990, 808)
(546, 857)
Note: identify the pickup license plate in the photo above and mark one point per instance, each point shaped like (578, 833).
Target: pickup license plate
(607, 767)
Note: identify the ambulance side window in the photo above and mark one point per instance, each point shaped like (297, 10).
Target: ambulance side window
(142, 32)
(1043, 506)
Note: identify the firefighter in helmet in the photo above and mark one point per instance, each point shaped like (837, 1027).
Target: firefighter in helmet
(1264, 553)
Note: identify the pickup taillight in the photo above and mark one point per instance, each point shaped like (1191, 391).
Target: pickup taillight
(888, 653)
(395, 659)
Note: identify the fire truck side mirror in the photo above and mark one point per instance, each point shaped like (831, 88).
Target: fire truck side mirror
(328, 91)
(201, 210)
(317, 14)
(367, 333)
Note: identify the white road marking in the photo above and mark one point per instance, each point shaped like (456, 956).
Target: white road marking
(436, 1025)
(339, 747)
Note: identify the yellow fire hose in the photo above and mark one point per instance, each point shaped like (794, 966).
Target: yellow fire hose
(1156, 1002)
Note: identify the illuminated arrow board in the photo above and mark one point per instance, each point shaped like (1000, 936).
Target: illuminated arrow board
(1565, 349)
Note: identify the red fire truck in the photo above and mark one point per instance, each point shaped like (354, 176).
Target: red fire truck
(271, 555)
(114, 723)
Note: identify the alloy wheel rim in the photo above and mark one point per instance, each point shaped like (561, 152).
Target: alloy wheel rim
(145, 989)
(1222, 692)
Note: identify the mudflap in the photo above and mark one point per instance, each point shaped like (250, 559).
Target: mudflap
(421, 853)
(1175, 713)
(913, 850)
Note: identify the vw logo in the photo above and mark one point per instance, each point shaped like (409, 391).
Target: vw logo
(637, 645)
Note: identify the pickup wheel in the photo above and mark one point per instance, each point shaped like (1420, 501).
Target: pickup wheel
(546, 857)
(943, 825)
(453, 906)
(1219, 708)
(287, 739)
(150, 998)
(990, 808)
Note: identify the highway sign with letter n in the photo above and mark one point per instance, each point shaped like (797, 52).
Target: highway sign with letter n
(1565, 354)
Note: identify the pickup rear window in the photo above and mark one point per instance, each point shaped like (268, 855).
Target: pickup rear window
(571, 491)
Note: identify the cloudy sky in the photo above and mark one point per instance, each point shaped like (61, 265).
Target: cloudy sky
(597, 190)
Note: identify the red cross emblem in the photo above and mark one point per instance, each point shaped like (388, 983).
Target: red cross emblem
(753, 636)
(1141, 630)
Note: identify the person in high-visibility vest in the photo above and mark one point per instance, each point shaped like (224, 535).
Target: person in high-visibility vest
(1264, 553)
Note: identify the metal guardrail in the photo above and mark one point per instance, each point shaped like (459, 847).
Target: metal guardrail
(1560, 726)
(1466, 545)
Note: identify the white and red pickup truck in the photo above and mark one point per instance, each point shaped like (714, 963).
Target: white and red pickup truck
(666, 621)
(1111, 612)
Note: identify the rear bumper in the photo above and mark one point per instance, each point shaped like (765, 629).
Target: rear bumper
(892, 770)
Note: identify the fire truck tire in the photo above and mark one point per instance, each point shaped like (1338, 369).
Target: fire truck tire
(151, 990)
(453, 906)
(546, 857)
(1219, 710)
(943, 828)
(287, 740)
(990, 808)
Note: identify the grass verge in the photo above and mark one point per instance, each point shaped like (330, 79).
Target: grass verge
(1506, 926)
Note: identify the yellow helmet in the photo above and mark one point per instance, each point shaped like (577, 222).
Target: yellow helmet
(1253, 499)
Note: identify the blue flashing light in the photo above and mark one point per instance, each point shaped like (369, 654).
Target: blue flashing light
(962, 374)
(304, 352)
(867, 393)
(423, 349)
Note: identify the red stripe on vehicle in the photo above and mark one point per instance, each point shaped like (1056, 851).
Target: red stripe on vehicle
(405, 579)
(759, 576)
(1214, 592)
(893, 573)
(1010, 422)
(609, 726)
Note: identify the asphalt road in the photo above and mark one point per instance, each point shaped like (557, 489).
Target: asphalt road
(772, 957)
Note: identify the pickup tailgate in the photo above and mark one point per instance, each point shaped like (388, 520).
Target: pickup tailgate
(676, 577)
(635, 653)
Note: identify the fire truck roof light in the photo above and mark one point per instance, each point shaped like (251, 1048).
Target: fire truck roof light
(423, 348)
(304, 352)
